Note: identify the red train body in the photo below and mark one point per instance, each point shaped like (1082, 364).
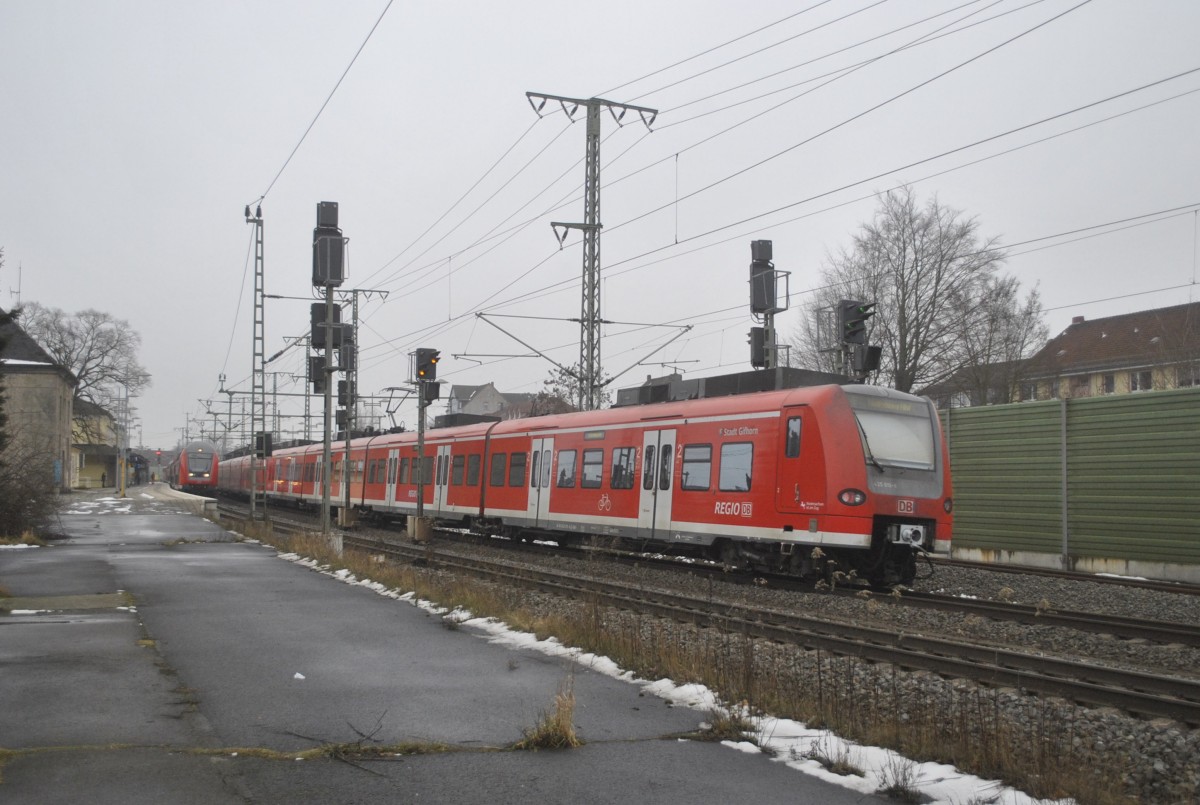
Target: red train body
(196, 468)
(758, 480)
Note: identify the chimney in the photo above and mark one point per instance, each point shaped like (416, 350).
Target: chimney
(1077, 320)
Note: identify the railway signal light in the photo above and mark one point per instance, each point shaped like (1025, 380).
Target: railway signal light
(427, 361)
(343, 393)
(852, 320)
(758, 347)
(762, 278)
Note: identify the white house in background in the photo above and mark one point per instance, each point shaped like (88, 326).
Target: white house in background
(485, 400)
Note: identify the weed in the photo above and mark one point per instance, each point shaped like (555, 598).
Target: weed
(555, 729)
(898, 780)
(26, 538)
(834, 754)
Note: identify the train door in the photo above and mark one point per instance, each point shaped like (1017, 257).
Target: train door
(658, 472)
(541, 475)
(389, 492)
(441, 477)
(800, 485)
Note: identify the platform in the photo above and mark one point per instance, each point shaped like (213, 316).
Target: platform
(153, 657)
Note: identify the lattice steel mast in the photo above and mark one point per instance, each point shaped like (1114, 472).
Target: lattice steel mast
(258, 387)
(590, 384)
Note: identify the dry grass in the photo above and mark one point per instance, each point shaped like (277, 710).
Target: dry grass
(26, 538)
(556, 728)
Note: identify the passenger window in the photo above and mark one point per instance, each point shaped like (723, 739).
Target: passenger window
(593, 469)
(533, 476)
(666, 467)
(737, 464)
(793, 437)
(566, 468)
(499, 460)
(516, 469)
(547, 467)
(402, 477)
(473, 470)
(427, 470)
(457, 468)
(648, 468)
(697, 467)
(624, 461)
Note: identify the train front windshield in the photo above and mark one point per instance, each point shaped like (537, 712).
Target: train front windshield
(199, 462)
(896, 433)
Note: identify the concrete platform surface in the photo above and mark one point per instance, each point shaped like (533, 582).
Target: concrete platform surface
(151, 657)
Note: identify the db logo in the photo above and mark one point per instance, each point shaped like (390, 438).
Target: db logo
(905, 506)
(735, 509)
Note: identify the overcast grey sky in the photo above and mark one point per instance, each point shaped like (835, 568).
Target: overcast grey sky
(135, 132)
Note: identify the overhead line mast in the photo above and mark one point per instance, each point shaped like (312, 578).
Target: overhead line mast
(590, 384)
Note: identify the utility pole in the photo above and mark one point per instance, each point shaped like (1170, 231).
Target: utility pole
(590, 384)
(258, 402)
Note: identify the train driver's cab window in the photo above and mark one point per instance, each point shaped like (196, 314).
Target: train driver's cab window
(737, 464)
(697, 467)
(566, 468)
(793, 437)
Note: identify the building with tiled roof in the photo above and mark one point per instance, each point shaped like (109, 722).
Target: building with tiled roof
(1143, 351)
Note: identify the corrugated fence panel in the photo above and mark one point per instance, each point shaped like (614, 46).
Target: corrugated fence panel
(1133, 464)
(1006, 463)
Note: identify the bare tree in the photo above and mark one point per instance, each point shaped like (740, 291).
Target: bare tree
(100, 350)
(918, 264)
(997, 334)
(564, 386)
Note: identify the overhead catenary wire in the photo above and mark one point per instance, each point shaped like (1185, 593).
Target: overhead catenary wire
(328, 98)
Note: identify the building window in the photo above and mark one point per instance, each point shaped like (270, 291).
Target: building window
(1080, 387)
(1140, 381)
(1109, 383)
(1188, 376)
(1028, 392)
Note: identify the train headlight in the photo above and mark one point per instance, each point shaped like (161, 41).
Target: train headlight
(948, 505)
(852, 497)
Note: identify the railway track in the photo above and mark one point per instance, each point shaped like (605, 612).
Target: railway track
(1117, 626)
(1147, 695)
(1182, 588)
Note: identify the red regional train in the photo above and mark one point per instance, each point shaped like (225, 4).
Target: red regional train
(196, 468)
(756, 480)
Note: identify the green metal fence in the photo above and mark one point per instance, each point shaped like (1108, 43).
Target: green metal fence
(1114, 477)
